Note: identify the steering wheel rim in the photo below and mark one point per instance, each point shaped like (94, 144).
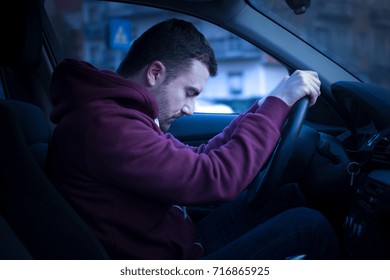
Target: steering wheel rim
(269, 177)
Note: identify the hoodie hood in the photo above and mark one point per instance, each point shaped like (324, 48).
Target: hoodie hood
(76, 82)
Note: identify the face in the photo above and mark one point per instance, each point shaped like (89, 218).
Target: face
(177, 97)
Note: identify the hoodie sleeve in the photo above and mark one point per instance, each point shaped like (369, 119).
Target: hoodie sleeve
(220, 139)
(129, 153)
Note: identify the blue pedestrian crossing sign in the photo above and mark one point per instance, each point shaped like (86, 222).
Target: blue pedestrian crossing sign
(120, 34)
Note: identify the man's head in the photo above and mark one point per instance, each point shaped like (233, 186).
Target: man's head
(173, 60)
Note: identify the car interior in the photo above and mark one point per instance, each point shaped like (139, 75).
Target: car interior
(343, 165)
(35, 214)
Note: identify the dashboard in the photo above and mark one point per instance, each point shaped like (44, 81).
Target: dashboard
(366, 112)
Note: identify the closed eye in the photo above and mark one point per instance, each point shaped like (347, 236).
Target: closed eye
(192, 92)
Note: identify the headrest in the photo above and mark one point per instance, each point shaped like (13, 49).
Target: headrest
(21, 32)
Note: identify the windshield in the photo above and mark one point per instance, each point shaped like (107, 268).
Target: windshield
(353, 33)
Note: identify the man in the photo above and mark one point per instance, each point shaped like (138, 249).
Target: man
(111, 159)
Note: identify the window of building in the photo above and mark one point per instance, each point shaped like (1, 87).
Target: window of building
(235, 83)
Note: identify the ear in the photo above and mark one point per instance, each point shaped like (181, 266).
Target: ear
(155, 73)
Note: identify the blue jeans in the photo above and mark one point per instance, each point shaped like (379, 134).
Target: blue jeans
(282, 229)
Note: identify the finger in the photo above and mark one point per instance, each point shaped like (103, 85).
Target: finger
(314, 81)
(315, 85)
(312, 90)
(314, 94)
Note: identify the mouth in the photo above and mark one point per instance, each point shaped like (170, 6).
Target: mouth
(175, 117)
(172, 120)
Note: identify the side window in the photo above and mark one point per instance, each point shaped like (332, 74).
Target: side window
(102, 32)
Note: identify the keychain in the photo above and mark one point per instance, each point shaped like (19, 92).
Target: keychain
(353, 169)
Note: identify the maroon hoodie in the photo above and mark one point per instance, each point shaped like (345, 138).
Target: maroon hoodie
(124, 176)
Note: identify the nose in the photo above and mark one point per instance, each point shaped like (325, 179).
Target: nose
(188, 108)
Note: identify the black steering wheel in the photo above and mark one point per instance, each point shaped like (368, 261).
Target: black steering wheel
(269, 177)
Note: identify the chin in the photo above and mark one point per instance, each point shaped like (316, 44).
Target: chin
(165, 127)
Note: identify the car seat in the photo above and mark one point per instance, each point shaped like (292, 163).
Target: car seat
(31, 206)
(39, 215)
(11, 248)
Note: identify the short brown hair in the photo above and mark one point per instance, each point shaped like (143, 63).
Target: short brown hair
(174, 42)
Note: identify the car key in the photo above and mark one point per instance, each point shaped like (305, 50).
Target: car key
(353, 169)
